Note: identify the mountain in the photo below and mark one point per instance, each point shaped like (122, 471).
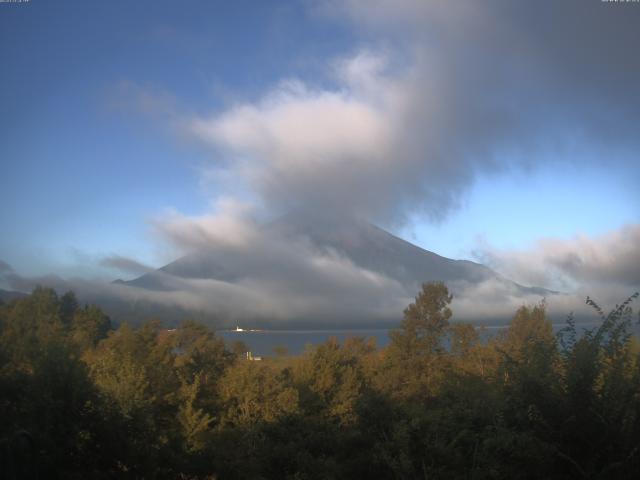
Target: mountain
(194, 266)
(375, 249)
(363, 245)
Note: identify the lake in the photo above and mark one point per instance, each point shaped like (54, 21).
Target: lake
(262, 342)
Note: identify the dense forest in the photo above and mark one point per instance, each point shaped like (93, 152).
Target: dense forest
(81, 399)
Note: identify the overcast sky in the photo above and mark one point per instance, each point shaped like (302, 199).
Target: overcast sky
(497, 131)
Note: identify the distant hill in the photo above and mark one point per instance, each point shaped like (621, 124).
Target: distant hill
(8, 295)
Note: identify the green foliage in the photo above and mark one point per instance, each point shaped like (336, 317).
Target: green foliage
(194, 422)
(28, 325)
(254, 392)
(411, 367)
(81, 400)
(88, 326)
(52, 418)
(331, 381)
(602, 382)
(425, 322)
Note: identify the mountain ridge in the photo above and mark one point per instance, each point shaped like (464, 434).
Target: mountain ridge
(366, 245)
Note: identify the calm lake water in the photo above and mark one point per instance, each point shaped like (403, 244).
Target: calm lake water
(264, 341)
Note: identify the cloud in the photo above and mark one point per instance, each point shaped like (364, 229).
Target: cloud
(304, 147)
(270, 276)
(366, 147)
(125, 265)
(262, 272)
(457, 91)
(19, 283)
(230, 224)
(581, 262)
(295, 274)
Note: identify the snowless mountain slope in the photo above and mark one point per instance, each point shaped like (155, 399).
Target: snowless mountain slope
(363, 244)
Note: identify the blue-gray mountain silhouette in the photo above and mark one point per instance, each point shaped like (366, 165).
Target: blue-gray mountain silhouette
(365, 245)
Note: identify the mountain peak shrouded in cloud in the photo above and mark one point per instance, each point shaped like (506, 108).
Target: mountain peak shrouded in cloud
(311, 273)
(349, 115)
(318, 269)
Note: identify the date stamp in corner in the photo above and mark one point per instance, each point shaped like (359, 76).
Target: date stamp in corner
(619, 1)
(15, 1)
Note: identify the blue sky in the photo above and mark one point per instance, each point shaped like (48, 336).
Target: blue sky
(513, 211)
(91, 94)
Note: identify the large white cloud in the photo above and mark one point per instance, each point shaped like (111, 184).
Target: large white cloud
(301, 146)
(457, 89)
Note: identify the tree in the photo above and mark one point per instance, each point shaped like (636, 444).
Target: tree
(68, 307)
(194, 422)
(118, 370)
(89, 325)
(416, 347)
(602, 395)
(30, 324)
(425, 321)
(331, 381)
(254, 392)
